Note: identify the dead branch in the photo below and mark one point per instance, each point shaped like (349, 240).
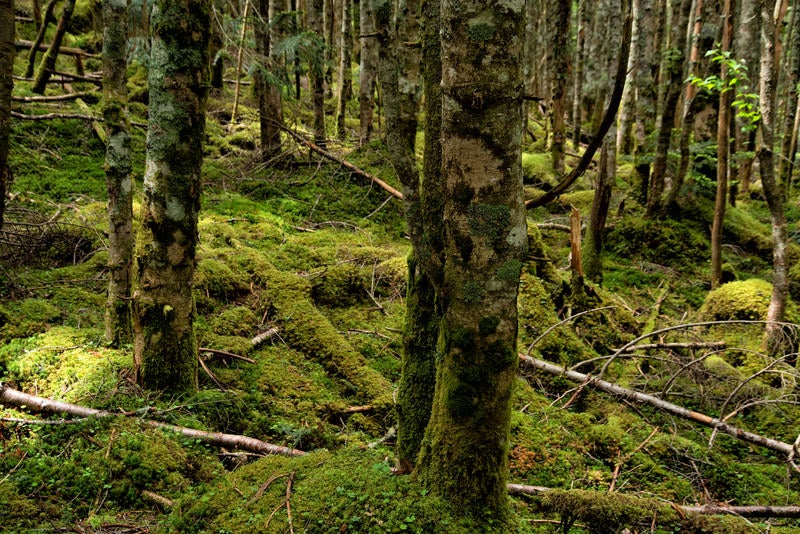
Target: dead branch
(228, 354)
(264, 487)
(56, 98)
(22, 44)
(349, 166)
(40, 404)
(554, 226)
(636, 396)
(160, 499)
(742, 511)
(211, 375)
(48, 116)
(670, 346)
(264, 336)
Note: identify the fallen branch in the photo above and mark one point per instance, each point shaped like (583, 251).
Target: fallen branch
(56, 98)
(741, 511)
(228, 354)
(48, 116)
(349, 166)
(160, 499)
(264, 336)
(22, 44)
(40, 404)
(696, 345)
(674, 409)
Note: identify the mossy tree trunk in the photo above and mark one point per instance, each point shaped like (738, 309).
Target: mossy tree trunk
(400, 85)
(773, 191)
(42, 29)
(316, 70)
(118, 172)
(48, 64)
(367, 71)
(345, 69)
(464, 457)
(748, 27)
(270, 111)
(646, 51)
(165, 348)
(558, 15)
(7, 52)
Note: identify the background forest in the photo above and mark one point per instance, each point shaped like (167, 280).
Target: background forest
(656, 331)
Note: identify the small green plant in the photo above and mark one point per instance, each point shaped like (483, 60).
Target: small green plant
(745, 104)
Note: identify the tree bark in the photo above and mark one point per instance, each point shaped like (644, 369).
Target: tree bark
(367, 72)
(48, 64)
(723, 136)
(48, 15)
(773, 191)
(580, 45)
(165, 348)
(119, 182)
(316, 70)
(7, 52)
(786, 161)
(747, 48)
(345, 70)
(464, 457)
(558, 64)
(270, 111)
(645, 84)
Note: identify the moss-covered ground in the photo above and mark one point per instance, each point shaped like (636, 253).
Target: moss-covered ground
(316, 257)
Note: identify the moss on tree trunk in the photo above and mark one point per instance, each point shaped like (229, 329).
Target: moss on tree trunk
(7, 52)
(48, 64)
(165, 348)
(464, 457)
(118, 173)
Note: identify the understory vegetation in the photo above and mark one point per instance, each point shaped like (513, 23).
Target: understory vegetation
(300, 289)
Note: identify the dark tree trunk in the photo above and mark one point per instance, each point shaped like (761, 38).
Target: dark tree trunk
(270, 111)
(48, 64)
(345, 69)
(559, 62)
(367, 72)
(119, 182)
(165, 349)
(7, 52)
(464, 457)
(316, 69)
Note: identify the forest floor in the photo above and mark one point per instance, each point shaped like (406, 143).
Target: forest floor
(312, 259)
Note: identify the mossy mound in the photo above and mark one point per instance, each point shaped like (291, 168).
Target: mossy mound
(666, 242)
(743, 300)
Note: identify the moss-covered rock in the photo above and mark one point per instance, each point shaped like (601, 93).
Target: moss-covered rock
(746, 299)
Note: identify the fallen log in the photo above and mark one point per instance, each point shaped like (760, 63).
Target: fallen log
(57, 98)
(709, 509)
(636, 396)
(14, 397)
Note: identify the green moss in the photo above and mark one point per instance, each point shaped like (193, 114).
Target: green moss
(236, 321)
(27, 317)
(472, 292)
(489, 220)
(747, 299)
(488, 325)
(510, 271)
(480, 31)
(339, 286)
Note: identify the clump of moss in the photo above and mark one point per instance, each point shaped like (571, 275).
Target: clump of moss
(664, 242)
(339, 286)
(217, 279)
(235, 321)
(27, 317)
(744, 300)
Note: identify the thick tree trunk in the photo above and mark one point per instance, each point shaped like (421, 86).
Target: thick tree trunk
(464, 458)
(270, 111)
(48, 64)
(367, 72)
(7, 52)
(165, 349)
(316, 70)
(119, 182)
(345, 69)
(772, 188)
(558, 65)
(672, 76)
(723, 136)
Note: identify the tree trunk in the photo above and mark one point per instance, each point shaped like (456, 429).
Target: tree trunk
(747, 48)
(7, 51)
(558, 65)
(165, 349)
(772, 188)
(270, 111)
(672, 78)
(645, 85)
(580, 45)
(316, 71)
(464, 458)
(606, 176)
(723, 135)
(786, 161)
(367, 72)
(119, 182)
(423, 314)
(345, 70)
(42, 29)
(48, 64)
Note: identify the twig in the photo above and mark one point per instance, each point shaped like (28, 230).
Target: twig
(155, 497)
(264, 487)
(55, 98)
(264, 336)
(211, 375)
(696, 345)
(228, 354)
(48, 116)
(288, 505)
(568, 319)
(627, 457)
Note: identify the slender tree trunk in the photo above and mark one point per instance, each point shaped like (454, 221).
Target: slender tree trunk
(423, 314)
(627, 106)
(464, 458)
(270, 111)
(747, 48)
(723, 133)
(672, 76)
(786, 161)
(345, 69)
(165, 349)
(119, 182)
(559, 63)
(316, 69)
(7, 52)
(772, 188)
(48, 64)
(580, 45)
(367, 72)
(645, 84)
(48, 16)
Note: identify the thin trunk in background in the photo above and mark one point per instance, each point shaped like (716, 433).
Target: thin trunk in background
(577, 78)
(747, 49)
(119, 180)
(42, 29)
(627, 106)
(558, 65)
(645, 85)
(367, 72)
(792, 51)
(165, 347)
(345, 70)
(723, 134)
(773, 190)
(270, 111)
(7, 52)
(48, 63)
(316, 71)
